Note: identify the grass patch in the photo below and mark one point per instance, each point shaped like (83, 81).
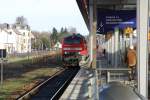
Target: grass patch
(21, 74)
(16, 86)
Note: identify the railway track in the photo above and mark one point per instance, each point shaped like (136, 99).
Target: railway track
(52, 88)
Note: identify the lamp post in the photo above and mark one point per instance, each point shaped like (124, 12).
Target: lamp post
(28, 50)
(1, 67)
(41, 44)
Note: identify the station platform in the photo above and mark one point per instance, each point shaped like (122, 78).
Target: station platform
(78, 88)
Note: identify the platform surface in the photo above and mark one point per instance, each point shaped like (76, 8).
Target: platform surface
(78, 88)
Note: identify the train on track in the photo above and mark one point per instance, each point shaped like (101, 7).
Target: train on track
(74, 49)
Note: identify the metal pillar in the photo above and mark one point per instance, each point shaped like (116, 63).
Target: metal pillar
(142, 56)
(91, 29)
(121, 43)
(108, 50)
(125, 45)
(2, 67)
(131, 39)
(116, 46)
(93, 24)
(110, 46)
(91, 48)
(112, 50)
(120, 50)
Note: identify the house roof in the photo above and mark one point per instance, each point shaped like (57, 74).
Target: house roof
(58, 45)
(17, 32)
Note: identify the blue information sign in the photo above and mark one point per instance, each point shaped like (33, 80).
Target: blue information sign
(107, 20)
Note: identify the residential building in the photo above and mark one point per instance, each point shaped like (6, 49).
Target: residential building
(15, 39)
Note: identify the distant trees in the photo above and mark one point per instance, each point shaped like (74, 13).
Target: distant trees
(54, 36)
(42, 40)
(45, 39)
(35, 43)
(64, 30)
(48, 39)
(63, 33)
(58, 36)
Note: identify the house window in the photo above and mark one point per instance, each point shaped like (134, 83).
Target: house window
(23, 33)
(29, 40)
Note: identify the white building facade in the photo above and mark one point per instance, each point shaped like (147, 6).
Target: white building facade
(16, 40)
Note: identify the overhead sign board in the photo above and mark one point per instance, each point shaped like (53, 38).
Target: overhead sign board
(107, 20)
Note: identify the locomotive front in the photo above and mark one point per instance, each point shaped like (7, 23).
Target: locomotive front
(73, 49)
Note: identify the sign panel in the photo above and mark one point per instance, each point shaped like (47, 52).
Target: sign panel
(2, 53)
(107, 20)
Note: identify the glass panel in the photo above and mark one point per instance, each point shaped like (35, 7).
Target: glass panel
(72, 40)
(149, 54)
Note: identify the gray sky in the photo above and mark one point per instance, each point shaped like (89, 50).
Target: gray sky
(43, 15)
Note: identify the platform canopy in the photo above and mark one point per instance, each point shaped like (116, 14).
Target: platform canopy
(105, 4)
(89, 9)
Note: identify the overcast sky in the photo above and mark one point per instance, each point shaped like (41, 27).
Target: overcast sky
(43, 15)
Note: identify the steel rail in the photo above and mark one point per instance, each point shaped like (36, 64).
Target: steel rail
(28, 93)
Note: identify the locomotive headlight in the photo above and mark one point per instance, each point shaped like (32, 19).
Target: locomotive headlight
(66, 48)
(65, 52)
(78, 48)
(72, 48)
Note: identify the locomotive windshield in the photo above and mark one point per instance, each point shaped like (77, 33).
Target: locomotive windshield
(72, 40)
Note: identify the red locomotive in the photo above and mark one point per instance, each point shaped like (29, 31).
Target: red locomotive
(74, 49)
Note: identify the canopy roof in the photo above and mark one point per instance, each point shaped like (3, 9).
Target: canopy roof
(105, 4)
